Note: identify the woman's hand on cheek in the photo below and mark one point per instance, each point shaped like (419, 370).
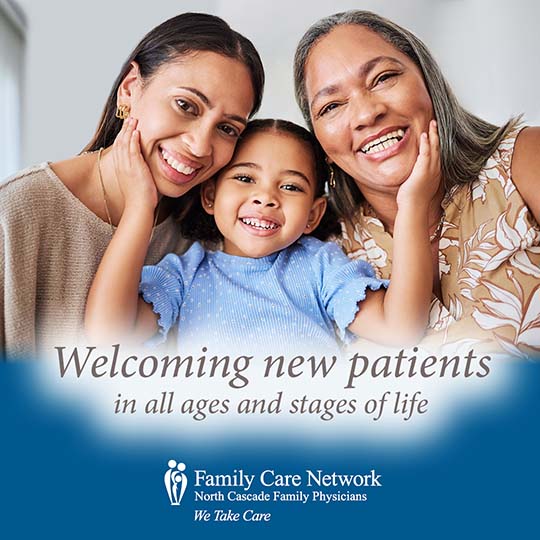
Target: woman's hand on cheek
(424, 180)
(132, 172)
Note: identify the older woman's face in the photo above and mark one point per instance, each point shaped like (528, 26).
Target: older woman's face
(369, 105)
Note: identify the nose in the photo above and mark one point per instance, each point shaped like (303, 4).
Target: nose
(198, 139)
(366, 110)
(269, 204)
(265, 197)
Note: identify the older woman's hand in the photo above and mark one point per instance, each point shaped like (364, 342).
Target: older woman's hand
(425, 178)
(132, 172)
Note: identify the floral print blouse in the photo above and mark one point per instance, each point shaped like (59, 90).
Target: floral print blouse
(489, 263)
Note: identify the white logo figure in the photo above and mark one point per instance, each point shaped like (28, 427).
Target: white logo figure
(175, 482)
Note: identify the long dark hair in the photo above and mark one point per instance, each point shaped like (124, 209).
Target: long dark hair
(181, 35)
(196, 224)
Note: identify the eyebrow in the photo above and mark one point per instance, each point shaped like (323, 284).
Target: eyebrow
(251, 165)
(209, 104)
(299, 174)
(362, 72)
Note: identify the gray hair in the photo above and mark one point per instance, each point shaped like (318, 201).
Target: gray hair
(466, 140)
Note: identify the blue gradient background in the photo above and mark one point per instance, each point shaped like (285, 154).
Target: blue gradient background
(60, 479)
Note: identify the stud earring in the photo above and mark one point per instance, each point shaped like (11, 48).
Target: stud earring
(209, 205)
(122, 111)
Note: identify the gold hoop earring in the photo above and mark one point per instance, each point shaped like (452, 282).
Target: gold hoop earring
(122, 111)
(332, 179)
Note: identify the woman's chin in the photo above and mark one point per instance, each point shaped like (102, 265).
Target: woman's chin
(391, 176)
(384, 183)
(168, 189)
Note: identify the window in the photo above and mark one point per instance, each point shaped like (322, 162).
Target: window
(12, 29)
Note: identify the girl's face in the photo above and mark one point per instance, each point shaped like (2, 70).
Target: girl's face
(369, 106)
(264, 200)
(190, 114)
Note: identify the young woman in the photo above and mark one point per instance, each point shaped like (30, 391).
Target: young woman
(192, 83)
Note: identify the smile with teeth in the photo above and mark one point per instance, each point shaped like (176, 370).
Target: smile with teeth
(176, 165)
(262, 224)
(384, 142)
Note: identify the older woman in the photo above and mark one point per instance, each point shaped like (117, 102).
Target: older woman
(190, 85)
(368, 89)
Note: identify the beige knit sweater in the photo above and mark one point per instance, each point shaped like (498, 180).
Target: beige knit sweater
(50, 248)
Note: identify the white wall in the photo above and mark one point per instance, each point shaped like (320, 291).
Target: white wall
(11, 75)
(487, 49)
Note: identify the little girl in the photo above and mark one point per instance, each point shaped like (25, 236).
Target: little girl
(271, 287)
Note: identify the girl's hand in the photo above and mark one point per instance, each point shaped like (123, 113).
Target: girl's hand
(424, 180)
(132, 172)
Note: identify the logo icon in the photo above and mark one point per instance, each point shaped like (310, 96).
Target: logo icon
(175, 482)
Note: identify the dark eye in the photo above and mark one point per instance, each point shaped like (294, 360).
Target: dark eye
(292, 187)
(186, 106)
(385, 77)
(229, 130)
(328, 108)
(244, 178)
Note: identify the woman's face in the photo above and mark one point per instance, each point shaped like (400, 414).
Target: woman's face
(190, 114)
(369, 105)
